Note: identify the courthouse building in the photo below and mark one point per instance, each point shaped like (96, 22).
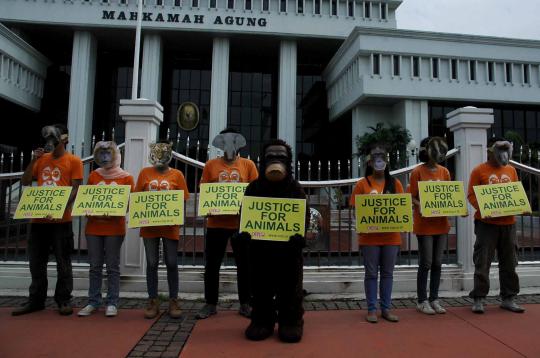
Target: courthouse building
(316, 73)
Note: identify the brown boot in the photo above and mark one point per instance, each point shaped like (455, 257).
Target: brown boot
(152, 309)
(174, 309)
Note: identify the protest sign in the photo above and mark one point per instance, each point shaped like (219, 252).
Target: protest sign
(442, 198)
(221, 198)
(383, 213)
(42, 201)
(95, 200)
(505, 199)
(156, 208)
(273, 219)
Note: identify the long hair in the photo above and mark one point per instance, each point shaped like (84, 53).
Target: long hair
(389, 182)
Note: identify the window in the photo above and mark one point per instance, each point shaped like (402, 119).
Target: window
(454, 69)
(526, 74)
(491, 71)
(333, 7)
(367, 9)
(194, 3)
(434, 68)
(300, 6)
(123, 2)
(317, 7)
(472, 70)
(376, 64)
(416, 66)
(212, 4)
(384, 11)
(230, 4)
(247, 4)
(265, 5)
(396, 64)
(158, 2)
(507, 72)
(350, 8)
(283, 6)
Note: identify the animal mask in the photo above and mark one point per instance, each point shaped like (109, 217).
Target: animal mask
(107, 155)
(276, 159)
(230, 144)
(160, 154)
(502, 152)
(52, 137)
(378, 157)
(435, 149)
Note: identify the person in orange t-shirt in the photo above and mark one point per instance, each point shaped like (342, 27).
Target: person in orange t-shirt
(378, 249)
(52, 166)
(432, 233)
(230, 168)
(161, 177)
(105, 234)
(494, 233)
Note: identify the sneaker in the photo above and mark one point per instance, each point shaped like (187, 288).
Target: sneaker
(245, 310)
(207, 311)
(371, 317)
(174, 308)
(478, 306)
(389, 316)
(510, 305)
(111, 311)
(87, 311)
(152, 309)
(27, 308)
(425, 307)
(437, 307)
(65, 309)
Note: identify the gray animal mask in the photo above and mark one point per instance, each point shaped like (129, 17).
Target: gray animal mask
(230, 144)
(52, 137)
(436, 149)
(502, 152)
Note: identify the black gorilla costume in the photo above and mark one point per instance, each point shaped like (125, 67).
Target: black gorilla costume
(276, 268)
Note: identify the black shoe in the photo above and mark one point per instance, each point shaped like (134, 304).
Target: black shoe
(291, 333)
(65, 309)
(245, 310)
(207, 311)
(27, 308)
(255, 332)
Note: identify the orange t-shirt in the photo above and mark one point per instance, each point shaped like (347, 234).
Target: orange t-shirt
(485, 174)
(107, 225)
(60, 171)
(375, 239)
(424, 225)
(152, 180)
(218, 171)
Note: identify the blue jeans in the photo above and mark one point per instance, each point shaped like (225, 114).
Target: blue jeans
(377, 258)
(104, 249)
(170, 252)
(431, 250)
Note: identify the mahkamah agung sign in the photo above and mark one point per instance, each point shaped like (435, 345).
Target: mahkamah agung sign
(156, 208)
(94, 200)
(383, 213)
(273, 219)
(41, 201)
(502, 199)
(442, 198)
(221, 198)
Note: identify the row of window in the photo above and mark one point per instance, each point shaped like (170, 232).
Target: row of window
(473, 68)
(367, 8)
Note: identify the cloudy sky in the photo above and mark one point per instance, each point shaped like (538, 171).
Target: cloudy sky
(502, 18)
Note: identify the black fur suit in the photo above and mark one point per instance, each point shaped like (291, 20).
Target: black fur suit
(276, 268)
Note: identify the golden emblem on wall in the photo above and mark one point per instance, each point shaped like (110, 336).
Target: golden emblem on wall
(187, 116)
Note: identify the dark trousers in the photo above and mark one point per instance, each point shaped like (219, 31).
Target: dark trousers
(430, 249)
(170, 256)
(489, 238)
(58, 238)
(215, 247)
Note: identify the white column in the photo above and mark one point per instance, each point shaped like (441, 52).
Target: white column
(152, 60)
(219, 90)
(81, 91)
(142, 119)
(469, 126)
(287, 93)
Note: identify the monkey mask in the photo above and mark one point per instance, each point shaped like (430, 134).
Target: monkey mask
(502, 152)
(276, 158)
(434, 148)
(378, 157)
(52, 137)
(160, 154)
(230, 144)
(107, 155)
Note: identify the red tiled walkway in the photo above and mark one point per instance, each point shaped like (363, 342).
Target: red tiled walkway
(459, 333)
(47, 334)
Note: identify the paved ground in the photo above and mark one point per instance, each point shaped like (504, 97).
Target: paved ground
(167, 337)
